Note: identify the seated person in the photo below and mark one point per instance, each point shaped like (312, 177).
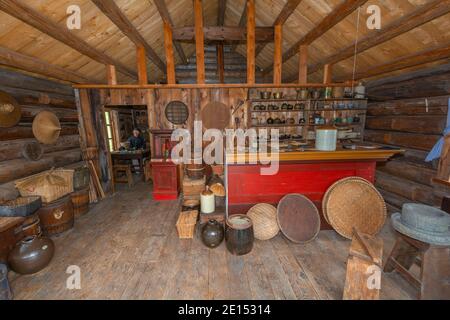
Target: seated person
(136, 141)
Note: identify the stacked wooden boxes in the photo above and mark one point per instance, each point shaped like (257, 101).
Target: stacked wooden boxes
(193, 187)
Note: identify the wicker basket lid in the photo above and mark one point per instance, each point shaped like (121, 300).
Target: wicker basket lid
(264, 218)
(298, 218)
(354, 203)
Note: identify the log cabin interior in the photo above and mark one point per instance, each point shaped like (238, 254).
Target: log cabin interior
(349, 101)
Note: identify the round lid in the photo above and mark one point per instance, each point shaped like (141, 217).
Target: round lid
(326, 127)
(239, 222)
(10, 111)
(46, 127)
(298, 218)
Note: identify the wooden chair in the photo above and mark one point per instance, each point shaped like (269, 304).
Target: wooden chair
(122, 174)
(433, 281)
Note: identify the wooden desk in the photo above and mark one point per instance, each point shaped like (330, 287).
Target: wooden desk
(138, 155)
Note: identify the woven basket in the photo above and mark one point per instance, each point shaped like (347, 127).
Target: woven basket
(264, 218)
(50, 185)
(186, 224)
(354, 203)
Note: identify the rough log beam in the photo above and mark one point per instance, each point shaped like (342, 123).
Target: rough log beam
(221, 12)
(113, 12)
(170, 59)
(26, 63)
(60, 33)
(251, 38)
(224, 34)
(165, 16)
(284, 15)
(336, 16)
(199, 41)
(418, 17)
(411, 60)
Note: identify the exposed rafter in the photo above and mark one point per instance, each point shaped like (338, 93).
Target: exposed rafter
(221, 12)
(418, 17)
(336, 16)
(60, 33)
(224, 34)
(285, 13)
(165, 16)
(23, 62)
(113, 12)
(410, 60)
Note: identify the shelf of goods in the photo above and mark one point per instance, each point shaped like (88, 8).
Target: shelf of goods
(301, 117)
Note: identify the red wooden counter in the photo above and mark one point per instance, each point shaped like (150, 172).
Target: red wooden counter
(310, 173)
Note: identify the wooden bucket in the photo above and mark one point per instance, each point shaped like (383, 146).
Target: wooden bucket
(195, 171)
(32, 226)
(80, 202)
(57, 217)
(239, 235)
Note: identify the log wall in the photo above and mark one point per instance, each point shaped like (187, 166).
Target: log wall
(35, 95)
(408, 111)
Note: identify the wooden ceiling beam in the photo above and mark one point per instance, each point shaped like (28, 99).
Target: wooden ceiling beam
(199, 41)
(113, 12)
(251, 40)
(241, 24)
(277, 56)
(224, 34)
(303, 65)
(170, 60)
(111, 75)
(141, 63)
(408, 61)
(221, 12)
(165, 16)
(336, 16)
(35, 19)
(288, 9)
(418, 17)
(30, 64)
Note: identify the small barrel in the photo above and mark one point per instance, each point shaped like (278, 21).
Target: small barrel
(81, 178)
(239, 235)
(32, 226)
(57, 216)
(194, 170)
(80, 202)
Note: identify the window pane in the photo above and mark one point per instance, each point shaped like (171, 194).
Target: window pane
(109, 132)
(108, 119)
(111, 146)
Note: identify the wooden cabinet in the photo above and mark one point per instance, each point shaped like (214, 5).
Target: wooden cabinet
(165, 180)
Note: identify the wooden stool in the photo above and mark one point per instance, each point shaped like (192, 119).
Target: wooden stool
(124, 169)
(434, 263)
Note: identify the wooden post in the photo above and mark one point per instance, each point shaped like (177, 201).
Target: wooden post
(303, 65)
(168, 45)
(111, 74)
(141, 65)
(220, 63)
(278, 54)
(199, 41)
(327, 73)
(251, 36)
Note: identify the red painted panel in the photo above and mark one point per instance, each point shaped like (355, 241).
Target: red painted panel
(247, 187)
(165, 181)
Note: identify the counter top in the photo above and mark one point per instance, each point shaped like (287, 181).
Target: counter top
(381, 154)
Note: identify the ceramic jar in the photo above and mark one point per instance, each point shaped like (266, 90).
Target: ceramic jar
(207, 201)
(31, 255)
(326, 138)
(360, 91)
(212, 234)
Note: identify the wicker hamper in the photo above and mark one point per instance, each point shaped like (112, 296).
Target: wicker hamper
(50, 185)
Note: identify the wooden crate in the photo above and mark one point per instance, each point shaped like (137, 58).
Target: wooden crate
(193, 187)
(186, 224)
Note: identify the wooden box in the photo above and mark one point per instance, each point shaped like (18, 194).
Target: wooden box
(165, 180)
(186, 224)
(193, 187)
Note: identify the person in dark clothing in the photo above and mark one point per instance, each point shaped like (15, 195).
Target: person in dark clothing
(136, 141)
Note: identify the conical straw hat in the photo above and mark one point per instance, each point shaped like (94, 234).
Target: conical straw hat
(46, 127)
(10, 111)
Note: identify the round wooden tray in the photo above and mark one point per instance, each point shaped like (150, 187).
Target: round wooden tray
(298, 218)
(354, 203)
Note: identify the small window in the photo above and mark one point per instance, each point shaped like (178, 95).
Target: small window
(109, 131)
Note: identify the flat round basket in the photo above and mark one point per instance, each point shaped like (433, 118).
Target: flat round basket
(354, 203)
(298, 218)
(264, 217)
(216, 115)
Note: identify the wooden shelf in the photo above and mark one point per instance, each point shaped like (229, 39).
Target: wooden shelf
(318, 110)
(302, 100)
(278, 125)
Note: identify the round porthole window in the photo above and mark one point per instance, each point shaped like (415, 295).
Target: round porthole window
(177, 112)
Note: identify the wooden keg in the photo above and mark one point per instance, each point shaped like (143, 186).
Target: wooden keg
(239, 234)
(32, 226)
(194, 170)
(57, 216)
(80, 202)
